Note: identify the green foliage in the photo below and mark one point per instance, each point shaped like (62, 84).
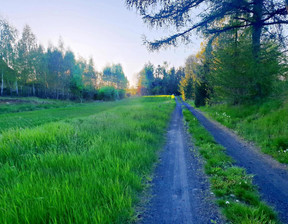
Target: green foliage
(187, 87)
(201, 94)
(108, 93)
(159, 80)
(237, 196)
(76, 86)
(84, 170)
(114, 76)
(236, 76)
(28, 69)
(121, 93)
(194, 86)
(263, 123)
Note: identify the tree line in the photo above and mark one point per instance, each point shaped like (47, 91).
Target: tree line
(243, 59)
(225, 70)
(28, 69)
(159, 80)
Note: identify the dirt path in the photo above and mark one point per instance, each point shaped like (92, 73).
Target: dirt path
(271, 177)
(180, 191)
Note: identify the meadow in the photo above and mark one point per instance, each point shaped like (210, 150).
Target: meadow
(90, 166)
(35, 112)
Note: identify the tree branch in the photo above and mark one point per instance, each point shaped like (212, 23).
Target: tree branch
(281, 11)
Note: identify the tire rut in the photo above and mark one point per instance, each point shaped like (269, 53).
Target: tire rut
(270, 176)
(180, 189)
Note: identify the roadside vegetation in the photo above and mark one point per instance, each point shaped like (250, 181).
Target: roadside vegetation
(264, 124)
(89, 169)
(236, 195)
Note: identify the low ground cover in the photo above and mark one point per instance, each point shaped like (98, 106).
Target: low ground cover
(63, 111)
(82, 170)
(22, 104)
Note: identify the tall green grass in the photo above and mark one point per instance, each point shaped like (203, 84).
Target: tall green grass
(82, 170)
(265, 124)
(236, 195)
(22, 104)
(39, 117)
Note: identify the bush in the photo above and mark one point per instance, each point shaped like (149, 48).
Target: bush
(121, 93)
(108, 93)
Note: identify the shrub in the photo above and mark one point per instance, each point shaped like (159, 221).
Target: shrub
(108, 93)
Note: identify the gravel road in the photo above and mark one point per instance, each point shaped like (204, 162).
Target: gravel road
(180, 190)
(271, 177)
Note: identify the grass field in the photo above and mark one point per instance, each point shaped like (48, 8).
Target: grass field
(264, 124)
(18, 104)
(89, 167)
(55, 112)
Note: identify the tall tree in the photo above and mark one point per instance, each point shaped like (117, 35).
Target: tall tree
(234, 72)
(114, 76)
(188, 82)
(145, 80)
(26, 52)
(8, 36)
(56, 70)
(257, 14)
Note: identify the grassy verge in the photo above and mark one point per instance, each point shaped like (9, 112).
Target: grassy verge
(84, 170)
(265, 124)
(238, 198)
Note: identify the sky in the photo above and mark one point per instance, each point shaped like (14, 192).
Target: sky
(103, 29)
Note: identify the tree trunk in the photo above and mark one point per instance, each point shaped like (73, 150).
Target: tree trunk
(2, 83)
(33, 89)
(257, 27)
(256, 43)
(286, 2)
(16, 86)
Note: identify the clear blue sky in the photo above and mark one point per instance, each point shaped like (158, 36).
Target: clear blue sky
(103, 29)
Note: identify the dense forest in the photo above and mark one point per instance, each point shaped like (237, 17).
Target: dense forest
(28, 69)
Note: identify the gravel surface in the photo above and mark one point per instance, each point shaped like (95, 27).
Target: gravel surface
(270, 176)
(180, 190)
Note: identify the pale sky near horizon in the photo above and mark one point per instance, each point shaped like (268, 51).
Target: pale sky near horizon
(103, 29)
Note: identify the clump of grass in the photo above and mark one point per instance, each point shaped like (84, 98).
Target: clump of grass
(236, 195)
(82, 170)
(264, 124)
